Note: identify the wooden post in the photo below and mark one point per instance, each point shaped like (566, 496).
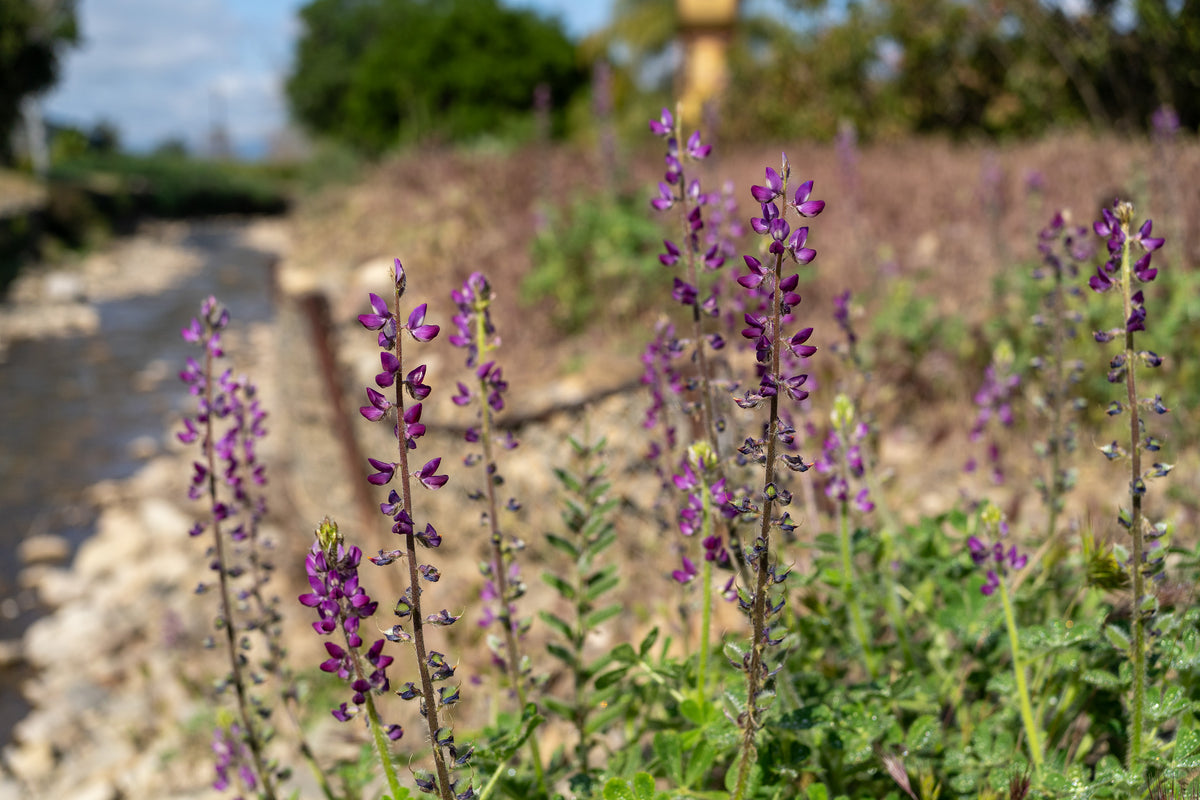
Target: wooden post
(705, 29)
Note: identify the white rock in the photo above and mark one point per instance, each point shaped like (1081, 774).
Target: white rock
(64, 287)
(10, 790)
(94, 790)
(57, 586)
(31, 761)
(45, 548)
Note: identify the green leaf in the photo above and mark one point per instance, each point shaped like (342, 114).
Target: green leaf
(559, 585)
(600, 720)
(609, 678)
(1117, 638)
(566, 546)
(670, 753)
(567, 479)
(1102, 678)
(561, 653)
(559, 625)
(698, 713)
(699, 764)
(924, 735)
(643, 786)
(818, 792)
(601, 582)
(598, 618)
(559, 707)
(618, 789)
(648, 642)
(624, 652)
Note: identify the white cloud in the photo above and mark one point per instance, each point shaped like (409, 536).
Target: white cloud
(167, 69)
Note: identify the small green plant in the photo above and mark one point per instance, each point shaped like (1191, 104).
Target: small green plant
(594, 257)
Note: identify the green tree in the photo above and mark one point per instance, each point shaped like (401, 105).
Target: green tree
(31, 34)
(374, 73)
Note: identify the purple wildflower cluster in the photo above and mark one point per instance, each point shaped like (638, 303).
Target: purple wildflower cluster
(996, 559)
(994, 402)
(476, 334)
(664, 379)
(703, 244)
(706, 498)
(1117, 273)
(235, 402)
(232, 759)
(770, 333)
(765, 330)
(1063, 248)
(408, 430)
(342, 604)
(1114, 230)
(841, 460)
(228, 424)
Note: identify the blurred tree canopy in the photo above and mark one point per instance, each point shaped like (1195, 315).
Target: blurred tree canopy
(31, 33)
(999, 67)
(373, 73)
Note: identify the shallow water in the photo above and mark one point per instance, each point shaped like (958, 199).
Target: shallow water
(71, 407)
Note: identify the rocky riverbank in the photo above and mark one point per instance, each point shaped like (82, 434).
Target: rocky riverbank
(117, 672)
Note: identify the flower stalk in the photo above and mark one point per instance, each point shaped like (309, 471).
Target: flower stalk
(477, 334)
(1120, 270)
(769, 340)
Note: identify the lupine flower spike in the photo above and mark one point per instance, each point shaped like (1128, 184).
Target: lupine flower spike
(431, 665)
(1062, 247)
(477, 335)
(770, 339)
(998, 561)
(678, 190)
(223, 478)
(1119, 273)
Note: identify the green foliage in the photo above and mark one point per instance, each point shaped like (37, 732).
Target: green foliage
(31, 34)
(120, 186)
(596, 255)
(374, 74)
(1015, 68)
(588, 533)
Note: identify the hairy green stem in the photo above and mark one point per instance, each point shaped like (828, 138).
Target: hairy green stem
(849, 591)
(378, 737)
(1031, 731)
(1138, 645)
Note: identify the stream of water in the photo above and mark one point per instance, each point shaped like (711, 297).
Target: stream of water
(71, 407)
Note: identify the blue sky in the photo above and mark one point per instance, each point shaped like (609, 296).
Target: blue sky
(162, 69)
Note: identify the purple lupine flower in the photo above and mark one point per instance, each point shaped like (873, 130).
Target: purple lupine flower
(342, 603)
(228, 425)
(336, 593)
(768, 326)
(841, 458)
(996, 559)
(994, 402)
(232, 757)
